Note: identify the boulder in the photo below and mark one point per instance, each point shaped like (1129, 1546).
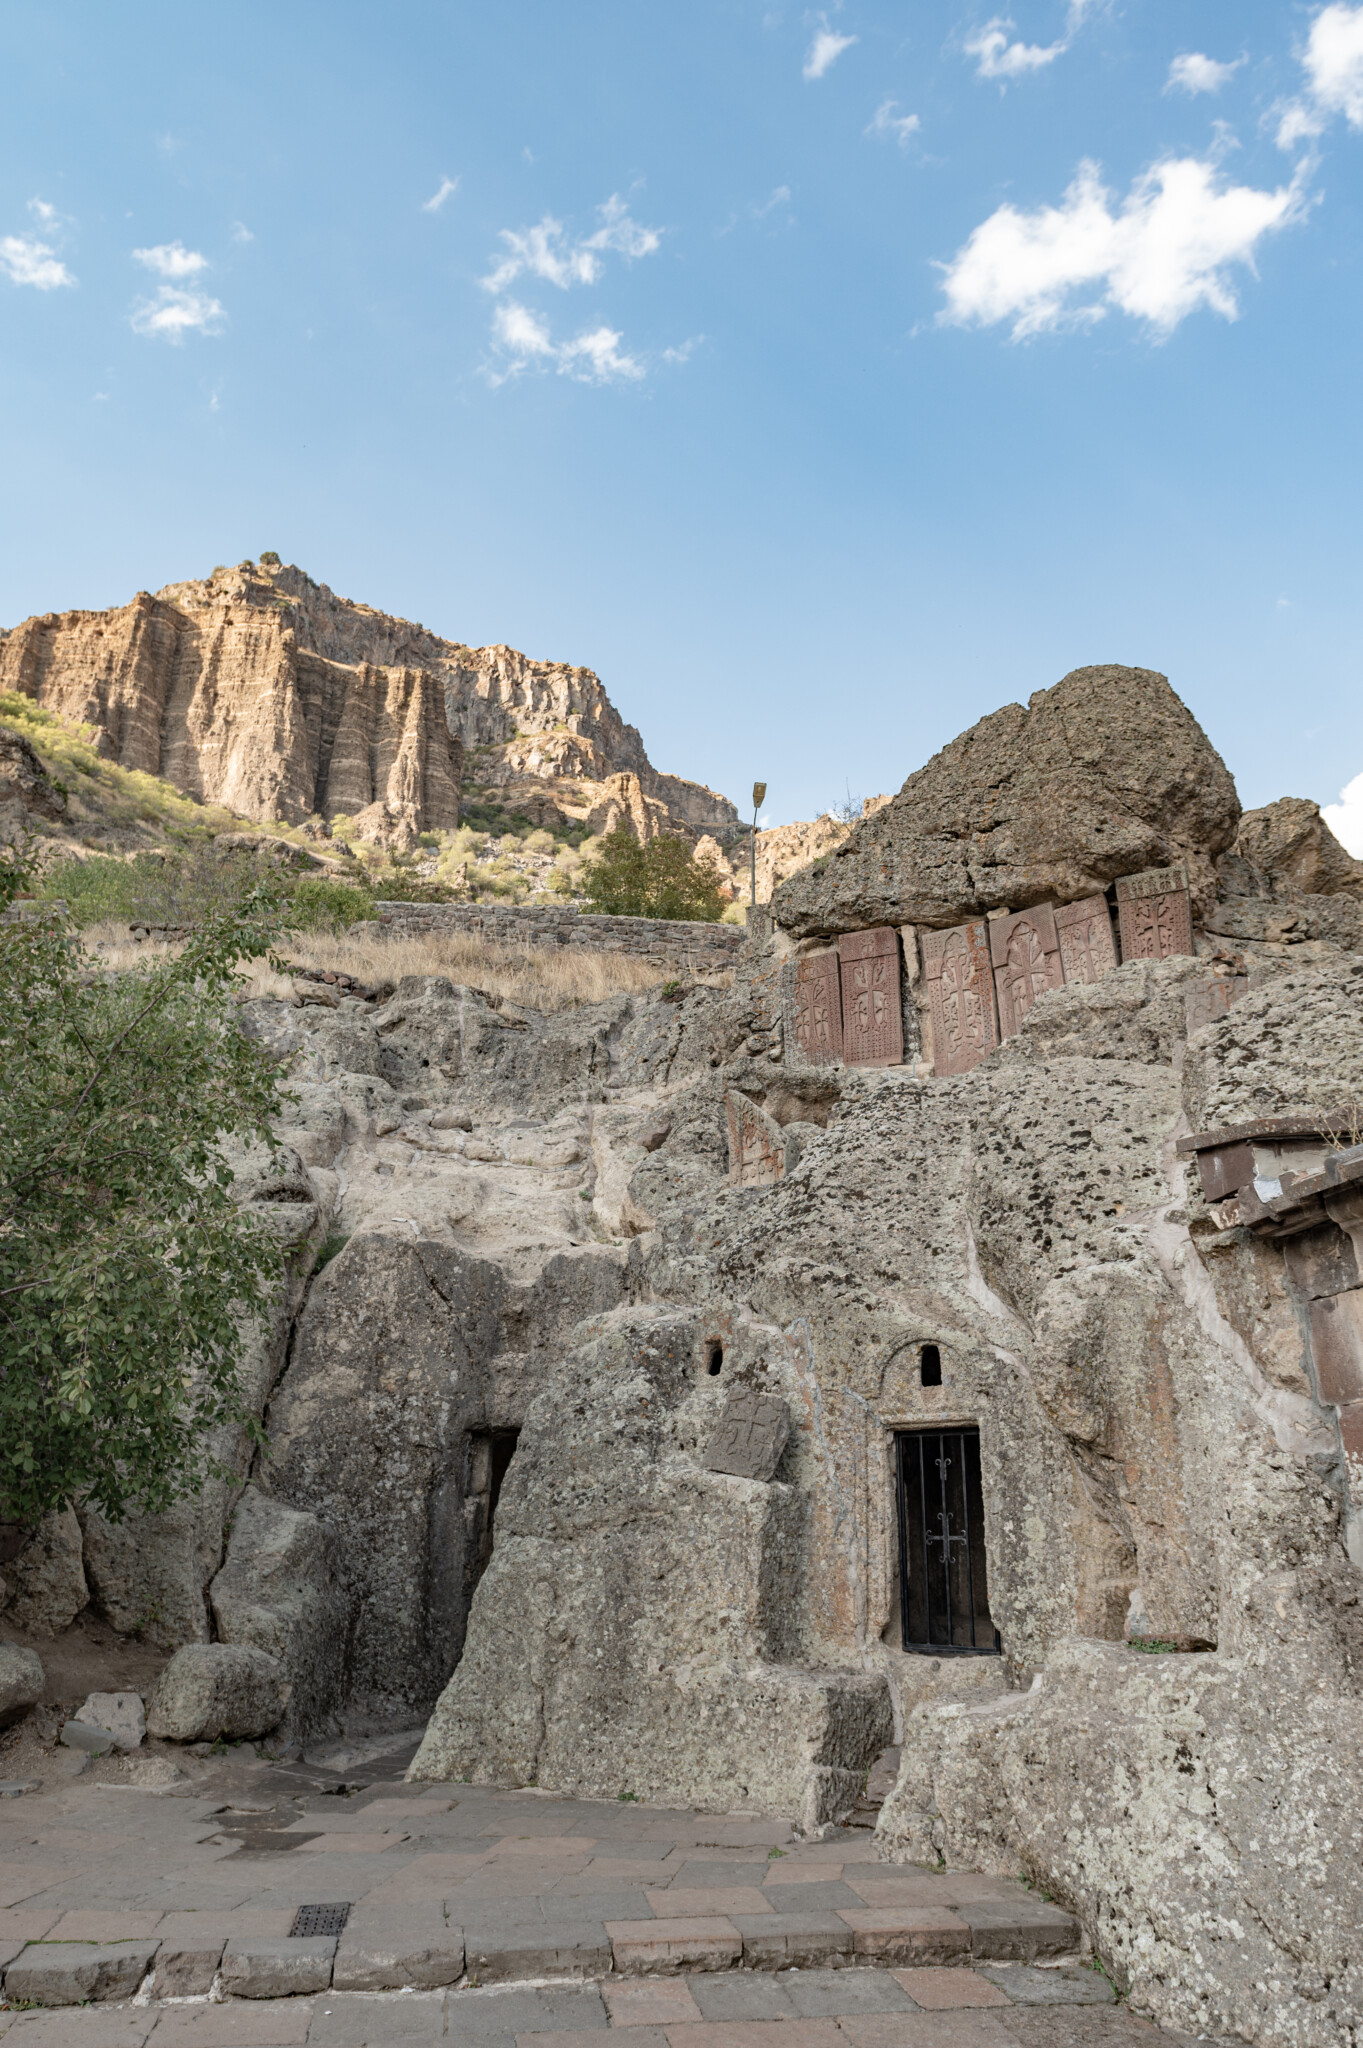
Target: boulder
(121, 1713)
(1105, 774)
(47, 1578)
(277, 1592)
(21, 1682)
(1291, 842)
(218, 1689)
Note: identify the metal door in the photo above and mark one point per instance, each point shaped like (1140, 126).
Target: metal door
(943, 1592)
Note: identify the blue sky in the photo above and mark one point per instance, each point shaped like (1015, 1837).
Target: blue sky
(822, 378)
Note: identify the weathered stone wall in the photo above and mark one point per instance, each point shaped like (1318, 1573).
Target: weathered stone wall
(701, 948)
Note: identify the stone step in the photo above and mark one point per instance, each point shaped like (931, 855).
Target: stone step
(387, 1952)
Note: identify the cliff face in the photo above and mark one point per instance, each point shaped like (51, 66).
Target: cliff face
(262, 690)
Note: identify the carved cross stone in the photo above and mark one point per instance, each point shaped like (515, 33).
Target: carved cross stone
(756, 1143)
(1205, 1001)
(872, 1023)
(1087, 950)
(750, 1435)
(818, 1008)
(1026, 955)
(1154, 915)
(960, 988)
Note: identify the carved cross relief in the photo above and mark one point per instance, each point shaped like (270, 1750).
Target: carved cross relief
(1025, 952)
(872, 1024)
(960, 988)
(818, 1008)
(1154, 914)
(1087, 950)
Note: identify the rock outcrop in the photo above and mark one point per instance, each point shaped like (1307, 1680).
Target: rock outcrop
(1291, 842)
(261, 690)
(1104, 774)
(27, 791)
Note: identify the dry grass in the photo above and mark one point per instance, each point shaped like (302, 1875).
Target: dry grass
(537, 979)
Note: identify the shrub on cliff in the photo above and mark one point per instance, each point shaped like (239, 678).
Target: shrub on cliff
(660, 879)
(126, 1265)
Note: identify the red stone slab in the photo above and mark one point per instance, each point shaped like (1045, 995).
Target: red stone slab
(872, 1023)
(757, 1156)
(1154, 915)
(960, 985)
(1025, 952)
(1088, 950)
(818, 1008)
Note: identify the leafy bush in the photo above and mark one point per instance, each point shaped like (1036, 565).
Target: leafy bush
(661, 879)
(126, 1265)
(317, 903)
(183, 888)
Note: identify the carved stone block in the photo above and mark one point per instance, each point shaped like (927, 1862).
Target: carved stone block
(1154, 916)
(872, 1026)
(960, 987)
(1025, 952)
(750, 1435)
(818, 1008)
(757, 1146)
(1205, 1001)
(1337, 1347)
(1088, 950)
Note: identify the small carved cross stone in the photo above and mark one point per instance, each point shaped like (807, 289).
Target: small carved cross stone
(750, 1435)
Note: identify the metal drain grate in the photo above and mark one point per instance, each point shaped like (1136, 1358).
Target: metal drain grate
(321, 1919)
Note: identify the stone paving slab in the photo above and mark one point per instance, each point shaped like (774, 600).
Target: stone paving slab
(686, 1930)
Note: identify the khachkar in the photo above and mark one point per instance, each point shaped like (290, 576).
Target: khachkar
(982, 979)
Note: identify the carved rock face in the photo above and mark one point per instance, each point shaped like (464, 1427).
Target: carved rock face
(1105, 774)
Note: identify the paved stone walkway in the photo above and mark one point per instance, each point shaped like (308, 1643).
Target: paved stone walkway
(509, 1916)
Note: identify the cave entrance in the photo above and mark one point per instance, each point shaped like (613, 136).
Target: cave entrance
(490, 1454)
(943, 1589)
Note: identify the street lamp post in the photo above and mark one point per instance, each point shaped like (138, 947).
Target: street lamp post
(759, 797)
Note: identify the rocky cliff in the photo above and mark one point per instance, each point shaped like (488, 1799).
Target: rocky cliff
(262, 690)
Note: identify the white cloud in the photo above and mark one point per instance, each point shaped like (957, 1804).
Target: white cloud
(1345, 818)
(1163, 252)
(780, 196)
(885, 122)
(445, 190)
(618, 232)
(684, 351)
(1192, 73)
(172, 259)
(523, 340)
(1333, 63)
(824, 52)
(176, 312)
(240, 232)
(545, 251)
(42, 212)
(997, 57)
(26, 260)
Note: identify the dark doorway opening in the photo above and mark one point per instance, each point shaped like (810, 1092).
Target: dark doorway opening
(943, 1591)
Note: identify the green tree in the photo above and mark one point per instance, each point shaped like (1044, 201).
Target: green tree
(126, 1266)
(661, 879)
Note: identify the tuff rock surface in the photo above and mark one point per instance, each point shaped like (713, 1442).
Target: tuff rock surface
(21, 1681)
(1104, 774)
(209, 1690)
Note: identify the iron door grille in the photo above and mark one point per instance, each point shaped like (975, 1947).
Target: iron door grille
(943, 1592)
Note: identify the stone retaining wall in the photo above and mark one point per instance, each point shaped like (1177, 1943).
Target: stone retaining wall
(698, 947)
